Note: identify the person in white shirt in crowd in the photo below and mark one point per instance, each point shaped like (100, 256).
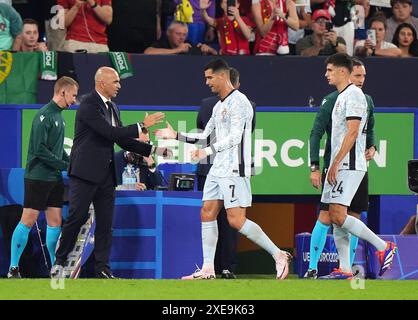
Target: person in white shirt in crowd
(381, 48)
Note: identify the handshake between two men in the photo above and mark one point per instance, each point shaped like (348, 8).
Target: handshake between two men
(170, 133)
(149, 121)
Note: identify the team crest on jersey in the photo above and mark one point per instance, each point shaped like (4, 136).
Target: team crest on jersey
(337, 106)
(223, 113)
(42, 117)
(323, 102)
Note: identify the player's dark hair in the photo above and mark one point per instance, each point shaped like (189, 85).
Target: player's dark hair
(357, 62)
(234, 76)
(217, 65)
(341, 60)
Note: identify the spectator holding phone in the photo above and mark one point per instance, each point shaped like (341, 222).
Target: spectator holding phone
(375, 45)
(86, 22)
(235, 32)
(324, 40)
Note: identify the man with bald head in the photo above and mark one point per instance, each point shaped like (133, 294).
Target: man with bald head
(92, 168)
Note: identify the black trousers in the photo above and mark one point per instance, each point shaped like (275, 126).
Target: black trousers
(82, 193)
(226, 248)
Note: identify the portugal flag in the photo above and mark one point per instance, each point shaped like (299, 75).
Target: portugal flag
(18, 77)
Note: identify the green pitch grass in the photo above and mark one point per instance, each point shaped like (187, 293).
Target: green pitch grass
(240, 289)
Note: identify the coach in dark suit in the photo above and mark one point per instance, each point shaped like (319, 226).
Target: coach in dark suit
(226, 248)
(92, 169)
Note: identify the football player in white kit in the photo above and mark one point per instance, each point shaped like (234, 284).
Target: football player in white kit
(228, 181)
(348, 163)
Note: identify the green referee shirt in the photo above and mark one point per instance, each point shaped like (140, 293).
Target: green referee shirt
(46, 155)
(323, 123)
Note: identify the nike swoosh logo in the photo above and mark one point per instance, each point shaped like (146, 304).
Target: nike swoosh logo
(334, 197)
(233, 200)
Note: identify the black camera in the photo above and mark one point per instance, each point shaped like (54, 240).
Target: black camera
(329, 25)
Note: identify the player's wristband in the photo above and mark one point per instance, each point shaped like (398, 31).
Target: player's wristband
(209, 150)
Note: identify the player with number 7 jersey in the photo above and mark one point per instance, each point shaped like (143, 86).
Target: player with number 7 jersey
(228, 182)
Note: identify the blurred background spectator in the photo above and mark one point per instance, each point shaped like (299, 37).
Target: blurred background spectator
(188, 11)
(342, 13)
(175, 42)
(28, 39)
(234, 32)
(381, 48)
(405, 38)
(402, 12)
(272, 19)
(305, 22)
(10, 26)
(86, 23)
(323, 41)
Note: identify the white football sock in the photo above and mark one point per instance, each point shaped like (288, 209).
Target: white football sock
(209, 240)
(359, 229)
(342, 242)
(253, 232)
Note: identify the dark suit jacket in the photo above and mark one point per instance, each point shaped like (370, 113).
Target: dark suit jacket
(203, 116)
(94, 138)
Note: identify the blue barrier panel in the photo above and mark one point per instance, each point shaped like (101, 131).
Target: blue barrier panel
(11, 135)
(156, 234)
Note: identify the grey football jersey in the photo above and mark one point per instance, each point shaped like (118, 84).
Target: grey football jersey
(232, 120)
(350, 104)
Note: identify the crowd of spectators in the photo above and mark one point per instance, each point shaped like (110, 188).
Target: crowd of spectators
(211, 27)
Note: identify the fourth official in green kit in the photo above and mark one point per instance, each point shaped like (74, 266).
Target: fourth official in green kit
(44, 187)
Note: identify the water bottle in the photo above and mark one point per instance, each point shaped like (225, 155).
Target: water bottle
(128, 178)
(125, 179)
(132, 176)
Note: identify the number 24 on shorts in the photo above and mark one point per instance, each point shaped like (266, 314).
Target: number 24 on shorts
(339, 188)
